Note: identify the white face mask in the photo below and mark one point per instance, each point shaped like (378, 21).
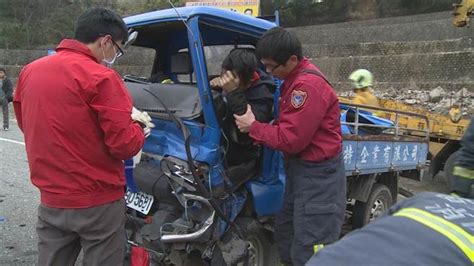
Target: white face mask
(106, 62)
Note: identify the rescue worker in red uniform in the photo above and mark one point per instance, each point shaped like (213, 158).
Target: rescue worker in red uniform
(76, 116)
(308, 131)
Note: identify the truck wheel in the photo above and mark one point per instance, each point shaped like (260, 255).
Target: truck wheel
(449, 167)
(380, 199)
(261, 250)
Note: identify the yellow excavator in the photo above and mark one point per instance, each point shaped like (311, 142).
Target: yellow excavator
(446, 131)
(462, 12)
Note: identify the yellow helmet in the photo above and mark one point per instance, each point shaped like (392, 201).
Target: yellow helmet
(361, 78)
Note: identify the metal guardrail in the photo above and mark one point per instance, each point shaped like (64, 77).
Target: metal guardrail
(396, 126)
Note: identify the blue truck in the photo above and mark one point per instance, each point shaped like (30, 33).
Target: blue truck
(180, 205)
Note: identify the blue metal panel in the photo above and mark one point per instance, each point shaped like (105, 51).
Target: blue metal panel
(374, 155)
(380, 156)
(349, 154)
(186, 13)
(199, 65)
(268, 189)
(166, 139)
(267, 198)
(235, 26)
(406, 154)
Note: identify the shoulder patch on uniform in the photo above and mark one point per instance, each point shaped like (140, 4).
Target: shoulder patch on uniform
(298, 98)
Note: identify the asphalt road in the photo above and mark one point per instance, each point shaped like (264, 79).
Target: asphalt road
(19, 200)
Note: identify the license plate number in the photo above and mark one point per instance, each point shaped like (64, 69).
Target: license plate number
(139, 201)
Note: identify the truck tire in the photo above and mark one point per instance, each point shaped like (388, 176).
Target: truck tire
(449, 167)
(380, 199)
(261, 251)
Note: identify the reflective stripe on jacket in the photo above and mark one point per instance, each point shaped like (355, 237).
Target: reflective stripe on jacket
(427, 229)
(455, 233)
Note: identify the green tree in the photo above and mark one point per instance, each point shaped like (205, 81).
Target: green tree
(28, 24)
(139, 6)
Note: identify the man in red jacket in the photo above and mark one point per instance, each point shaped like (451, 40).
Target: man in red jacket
(75, 114)
(308, 132)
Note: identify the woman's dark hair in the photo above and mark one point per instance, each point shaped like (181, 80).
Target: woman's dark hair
(279, 45)
(3, 70)
(96, 22)
(242, 61)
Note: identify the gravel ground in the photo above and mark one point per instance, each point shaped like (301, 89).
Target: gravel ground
(19, 200)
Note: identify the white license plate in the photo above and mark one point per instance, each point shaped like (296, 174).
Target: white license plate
(139, 201)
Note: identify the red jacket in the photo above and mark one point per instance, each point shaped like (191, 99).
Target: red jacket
(75, 116)
(309, 124)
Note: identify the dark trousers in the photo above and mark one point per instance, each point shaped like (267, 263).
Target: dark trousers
(4, 103)
(313, 208)
(99, 231)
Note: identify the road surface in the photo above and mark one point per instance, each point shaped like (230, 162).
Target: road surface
(19, 200)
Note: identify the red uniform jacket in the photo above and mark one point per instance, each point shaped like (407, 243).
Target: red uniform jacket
(309, 123)
(75, 116)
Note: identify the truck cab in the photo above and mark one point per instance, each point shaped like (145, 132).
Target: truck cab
(180, 202)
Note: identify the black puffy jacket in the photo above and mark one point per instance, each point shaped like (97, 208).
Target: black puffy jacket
(260, 97)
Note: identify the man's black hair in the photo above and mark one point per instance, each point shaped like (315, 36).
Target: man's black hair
(97, 22)
(242, 61)
(3, 70)
(279, 45)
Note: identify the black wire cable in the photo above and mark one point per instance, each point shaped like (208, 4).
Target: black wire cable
(200, 186)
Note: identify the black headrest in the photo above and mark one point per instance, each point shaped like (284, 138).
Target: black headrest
(181, 63)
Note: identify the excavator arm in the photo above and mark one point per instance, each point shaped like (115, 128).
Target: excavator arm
(462, 11)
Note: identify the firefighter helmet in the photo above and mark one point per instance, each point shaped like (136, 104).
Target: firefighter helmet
(361, 78)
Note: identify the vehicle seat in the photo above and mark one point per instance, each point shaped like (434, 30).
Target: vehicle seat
(181, 65)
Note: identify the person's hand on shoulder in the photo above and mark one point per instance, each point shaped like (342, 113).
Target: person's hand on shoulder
(244, 121)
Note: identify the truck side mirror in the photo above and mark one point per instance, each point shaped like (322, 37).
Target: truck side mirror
(132, 36)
